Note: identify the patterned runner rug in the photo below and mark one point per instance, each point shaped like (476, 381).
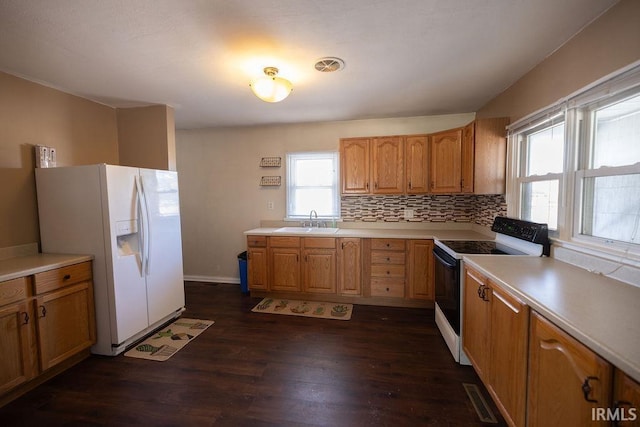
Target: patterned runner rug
(167, 341)
(322, 310)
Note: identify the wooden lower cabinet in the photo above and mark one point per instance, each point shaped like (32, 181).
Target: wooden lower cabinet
(495, 337)
(626, 400)
(387, 268)
(18, 353)
(257, 261)
(285, 269)
(476, 322)
(65, 323)
(45, 320)
(349, 254)
(420, 269)
(508, 355)
(319, 265)
(566, 379)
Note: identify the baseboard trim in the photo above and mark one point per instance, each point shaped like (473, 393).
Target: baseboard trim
(212, 279)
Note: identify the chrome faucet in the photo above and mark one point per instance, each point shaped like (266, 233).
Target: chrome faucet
(313, 212)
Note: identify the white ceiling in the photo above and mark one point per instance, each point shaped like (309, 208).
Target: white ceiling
(403, 57)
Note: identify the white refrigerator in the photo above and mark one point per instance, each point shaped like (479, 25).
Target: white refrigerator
(129, 220)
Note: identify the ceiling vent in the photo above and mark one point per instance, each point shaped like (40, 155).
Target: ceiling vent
(329, 65)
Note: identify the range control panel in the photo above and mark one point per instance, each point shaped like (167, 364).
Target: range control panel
(524, 230)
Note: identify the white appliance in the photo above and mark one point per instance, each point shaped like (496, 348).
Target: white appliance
(129, 220)
(513, 237)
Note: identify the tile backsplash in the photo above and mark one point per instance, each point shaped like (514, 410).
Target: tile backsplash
(469, 208)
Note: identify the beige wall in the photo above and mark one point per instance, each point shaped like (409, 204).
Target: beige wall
(146, 137)
(219, 172)
(83, 132)
(610, 43)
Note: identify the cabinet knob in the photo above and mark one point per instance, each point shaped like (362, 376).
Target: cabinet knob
(25, 318)
(388, 259)
(43, 311)
(66, 277)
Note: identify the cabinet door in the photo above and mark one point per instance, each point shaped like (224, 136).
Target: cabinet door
(319, 271)
(285, 269)
(388, 165)
(349, 266)
(17, 352)
(476, 318)
(445, 161)
(257, 268)
(626, 398)
(508, 354)
(566, 379)
(490, 155)
(354, 165)
(66, 323)
(420, 269)
(467, 159)
(416, 179)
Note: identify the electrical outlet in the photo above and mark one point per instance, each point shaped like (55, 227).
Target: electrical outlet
(408, 213)
(270, 205)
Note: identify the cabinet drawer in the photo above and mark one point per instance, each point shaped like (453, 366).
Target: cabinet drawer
(389, 244)
(319, 242)
(387, 271)
(284, 242)
(61, 277)
(14, 290)
(387, 288)
(257, 241)
(387, 257)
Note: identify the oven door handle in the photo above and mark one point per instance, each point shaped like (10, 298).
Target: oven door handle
(444, 262)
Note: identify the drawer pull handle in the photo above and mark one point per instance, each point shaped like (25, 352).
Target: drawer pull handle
(26, 318)
(387, 289)
(388, 259)
(388, 272)
(66, 277)
(388, 244)
(43, 311)
(586, 389)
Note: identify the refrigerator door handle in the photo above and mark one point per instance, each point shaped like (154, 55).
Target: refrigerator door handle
(143, 227)
(147, 234)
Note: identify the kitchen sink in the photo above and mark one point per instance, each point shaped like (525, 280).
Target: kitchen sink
(306, 230)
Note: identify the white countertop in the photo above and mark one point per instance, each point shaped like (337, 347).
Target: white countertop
(31, 264)
(601, 313)
(383, 233)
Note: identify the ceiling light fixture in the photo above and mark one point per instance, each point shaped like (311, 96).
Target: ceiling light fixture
(271, 88)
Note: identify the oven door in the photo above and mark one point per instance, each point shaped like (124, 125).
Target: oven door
(447, 286)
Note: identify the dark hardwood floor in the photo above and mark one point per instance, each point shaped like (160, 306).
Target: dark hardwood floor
(384, 367)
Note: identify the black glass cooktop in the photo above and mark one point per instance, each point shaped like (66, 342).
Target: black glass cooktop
(479, 247)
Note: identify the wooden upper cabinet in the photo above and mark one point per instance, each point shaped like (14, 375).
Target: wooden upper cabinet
(467, 158)
(416, 152)
(354, 165)
(388, 165)
(566, 379)
(445, 163)
(490, 155)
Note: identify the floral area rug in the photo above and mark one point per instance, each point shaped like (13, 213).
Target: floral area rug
(322, 310)
(167, 341)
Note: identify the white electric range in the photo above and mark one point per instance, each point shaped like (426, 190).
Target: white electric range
(513, 237)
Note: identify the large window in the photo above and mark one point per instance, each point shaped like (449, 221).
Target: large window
(576, 167)
(312, 184)
(608, 180)
(540, 176)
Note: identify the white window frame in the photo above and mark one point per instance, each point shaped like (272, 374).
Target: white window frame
(290, 183)
(522, 178)
(577, 143)
(584, 116)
